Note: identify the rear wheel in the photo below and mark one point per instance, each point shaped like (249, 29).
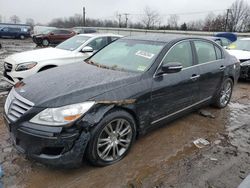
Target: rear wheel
(224, 95)
(45, 42)
(111, 139)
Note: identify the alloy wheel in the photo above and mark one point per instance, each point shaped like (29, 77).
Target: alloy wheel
(226, 93)
(114, 140)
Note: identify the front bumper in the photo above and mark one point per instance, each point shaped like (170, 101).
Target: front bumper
(57, 150)
(245, 72)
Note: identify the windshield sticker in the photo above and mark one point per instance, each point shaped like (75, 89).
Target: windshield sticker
(141, 68)
(144, 54)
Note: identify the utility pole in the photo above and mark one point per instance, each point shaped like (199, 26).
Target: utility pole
(126, 19)
(227, 19)
(83, 15)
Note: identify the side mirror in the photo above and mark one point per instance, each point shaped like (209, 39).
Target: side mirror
(87, 49)
(173, 67)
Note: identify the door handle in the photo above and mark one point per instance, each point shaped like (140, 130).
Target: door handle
(194, 77)
(222, 67)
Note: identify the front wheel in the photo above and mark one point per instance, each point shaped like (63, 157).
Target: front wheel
(111, 139)
(224, 95)
(22, 37)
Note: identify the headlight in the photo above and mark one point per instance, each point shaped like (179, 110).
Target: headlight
(62, 115)
(245, 63)
(25, 66)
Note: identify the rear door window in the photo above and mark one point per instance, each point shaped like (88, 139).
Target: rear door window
(181, 53)
(65, 32)
(205, 51)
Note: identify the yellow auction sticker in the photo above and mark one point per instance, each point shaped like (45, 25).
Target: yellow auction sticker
(232, 46)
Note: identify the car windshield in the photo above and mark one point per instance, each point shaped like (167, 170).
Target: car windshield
(240, 45)
(47, 31)
(73, 43)
(128, 55)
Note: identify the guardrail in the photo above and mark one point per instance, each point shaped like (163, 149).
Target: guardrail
(130, 31)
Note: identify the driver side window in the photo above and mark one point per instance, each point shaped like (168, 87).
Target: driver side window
(181, 53)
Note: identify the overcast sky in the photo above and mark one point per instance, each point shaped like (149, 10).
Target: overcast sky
(43, 11)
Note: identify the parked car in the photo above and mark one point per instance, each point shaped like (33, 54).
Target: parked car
(241, 50)
(228, 35)
(73, 50)
(54, 36)
(14, 32)
(97, 108)
(82, 30)
(221, 41)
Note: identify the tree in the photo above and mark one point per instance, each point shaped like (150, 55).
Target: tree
(214, 23)
(30, 21)
(195, 25)
(184, 27)
(238, 15)
(150, 18)
(15, 19)
(173, 21)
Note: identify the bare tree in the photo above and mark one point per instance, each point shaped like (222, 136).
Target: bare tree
(15, 19)
(30, 21)
(150, 18)
(238, 15)
(0, 18)
(173, 21)
(195, 25)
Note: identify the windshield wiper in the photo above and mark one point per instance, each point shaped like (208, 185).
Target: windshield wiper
(97, 65)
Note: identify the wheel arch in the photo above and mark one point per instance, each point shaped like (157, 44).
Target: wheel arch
(92, 118)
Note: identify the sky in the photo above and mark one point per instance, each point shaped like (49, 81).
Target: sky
(43, 11)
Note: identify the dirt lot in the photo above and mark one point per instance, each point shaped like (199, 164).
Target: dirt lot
(165, 157)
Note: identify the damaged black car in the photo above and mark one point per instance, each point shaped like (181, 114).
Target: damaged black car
(96, 109)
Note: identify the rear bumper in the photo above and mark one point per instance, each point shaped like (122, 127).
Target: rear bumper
(57, 150)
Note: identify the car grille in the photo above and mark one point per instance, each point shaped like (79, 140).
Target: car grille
(7, 67)
(15, 105)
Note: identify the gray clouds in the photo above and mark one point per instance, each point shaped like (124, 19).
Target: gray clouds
(44, 10)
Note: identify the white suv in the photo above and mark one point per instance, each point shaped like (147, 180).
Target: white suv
(73, 50)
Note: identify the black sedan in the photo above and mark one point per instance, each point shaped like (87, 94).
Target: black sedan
(96, 109)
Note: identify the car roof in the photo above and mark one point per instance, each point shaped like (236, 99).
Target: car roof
(100, 35)
(163, 37)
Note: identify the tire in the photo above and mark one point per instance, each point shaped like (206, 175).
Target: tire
(108, 146)
(22, 37)
(224, 95)
(45, 42)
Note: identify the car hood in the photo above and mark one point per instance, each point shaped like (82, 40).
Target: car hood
(72, 84)
(240, 54)
(39, 55)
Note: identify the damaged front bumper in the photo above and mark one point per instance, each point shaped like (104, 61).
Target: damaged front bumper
(245, 72)
(65, 149)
